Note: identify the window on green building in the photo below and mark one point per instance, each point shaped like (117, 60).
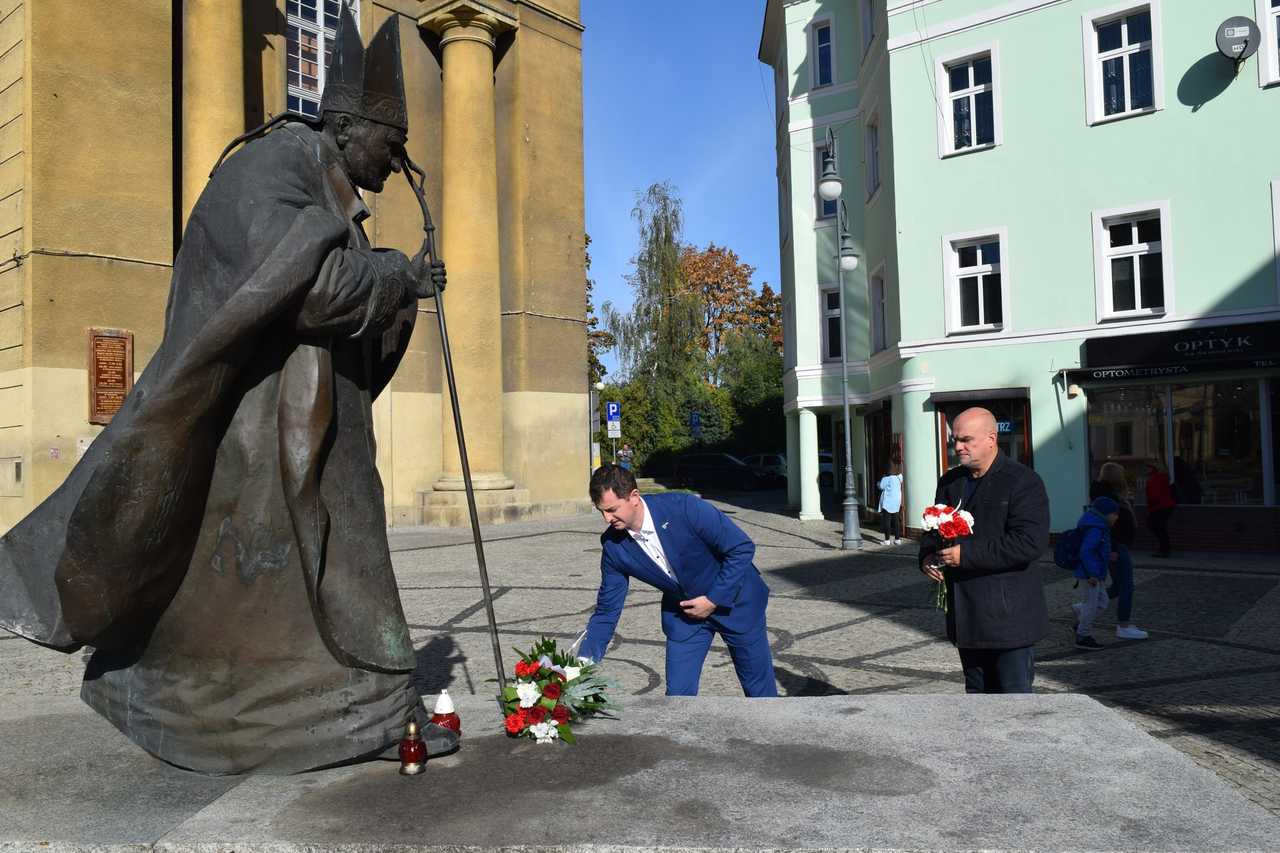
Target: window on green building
(1123, 76)
(821, 50)
(972, 96)
(976, 285)
(1132, 264)
(831, 325)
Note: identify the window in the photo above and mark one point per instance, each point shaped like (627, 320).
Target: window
(1269, 55)
(823, 57)
(1127, 427)
(1217, 442)
(872, 154)
(868, 25)
(311, 26)
(1132, 266)
(976, 286)
(1124, 74)
(831, 337)
(826, 209)
(879, 338)
(970, 118)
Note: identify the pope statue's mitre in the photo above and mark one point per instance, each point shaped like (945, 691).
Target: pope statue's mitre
(367, 82)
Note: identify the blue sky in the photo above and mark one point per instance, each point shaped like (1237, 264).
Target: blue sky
(673, 91)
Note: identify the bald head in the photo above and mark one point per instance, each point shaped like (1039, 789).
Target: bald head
(974, 434)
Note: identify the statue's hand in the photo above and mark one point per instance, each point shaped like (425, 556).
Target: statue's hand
(430, 276)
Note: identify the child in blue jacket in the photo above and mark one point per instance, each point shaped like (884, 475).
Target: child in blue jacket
(1091, 567)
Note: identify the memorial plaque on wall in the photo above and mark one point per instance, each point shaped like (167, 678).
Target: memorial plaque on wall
(110, 372)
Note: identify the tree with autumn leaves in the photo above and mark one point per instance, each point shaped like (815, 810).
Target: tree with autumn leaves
(697, 338)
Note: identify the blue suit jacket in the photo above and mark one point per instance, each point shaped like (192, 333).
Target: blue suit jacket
(710, 556)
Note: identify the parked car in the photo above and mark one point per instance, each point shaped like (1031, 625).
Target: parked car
(717, 470)
(772, 466)
(826, 469)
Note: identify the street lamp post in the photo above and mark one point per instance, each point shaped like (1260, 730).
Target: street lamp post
(830, 187)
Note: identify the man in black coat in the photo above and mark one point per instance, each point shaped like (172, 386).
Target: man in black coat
(995, 599)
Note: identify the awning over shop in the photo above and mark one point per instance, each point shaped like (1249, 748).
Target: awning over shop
(1240, 346)
(979, 394)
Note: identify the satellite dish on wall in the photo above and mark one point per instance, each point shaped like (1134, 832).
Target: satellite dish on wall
(1238, 39)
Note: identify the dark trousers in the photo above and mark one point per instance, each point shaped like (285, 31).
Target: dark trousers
(1158, 521)
(889, 524)
(1122, 583)
(998, 670)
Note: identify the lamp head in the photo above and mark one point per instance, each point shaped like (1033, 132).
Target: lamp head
(829, 185)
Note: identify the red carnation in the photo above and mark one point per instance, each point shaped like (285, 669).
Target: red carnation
(560, 714)
(948, 530)
(932, 512)
(961, 526)
(524, 670)
(551, 690)
(515, 722)
(536, 714)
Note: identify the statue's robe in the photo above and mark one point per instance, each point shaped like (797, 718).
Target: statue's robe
(222, 544)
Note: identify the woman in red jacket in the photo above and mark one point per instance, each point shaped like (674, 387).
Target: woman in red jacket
(1160, 505)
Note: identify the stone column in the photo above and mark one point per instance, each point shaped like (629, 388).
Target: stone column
(810, 497)
(469, 241)
(212, 89)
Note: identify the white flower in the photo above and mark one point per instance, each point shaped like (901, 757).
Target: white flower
(545, 732)
(967, 516)
(528, 693)
(572, 672)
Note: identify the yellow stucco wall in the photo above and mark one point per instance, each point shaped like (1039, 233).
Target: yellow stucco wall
(89, 160)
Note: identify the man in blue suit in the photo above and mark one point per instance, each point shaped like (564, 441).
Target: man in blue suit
(701, 561)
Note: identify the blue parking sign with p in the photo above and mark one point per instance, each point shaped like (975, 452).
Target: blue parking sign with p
(613, 411)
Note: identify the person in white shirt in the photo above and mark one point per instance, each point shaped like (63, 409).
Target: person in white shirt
(891, 505)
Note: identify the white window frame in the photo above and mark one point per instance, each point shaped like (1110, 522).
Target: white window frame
(951, 243)
(825, 314)
(946, 135)
(868, 26)
(1103, 253)
(814, 26)
(871, 154)
(1268, 18)
(323, 37)
(877, 312)
(820, 204)
(1094, 112)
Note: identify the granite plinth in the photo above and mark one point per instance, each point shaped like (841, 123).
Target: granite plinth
(944, 772)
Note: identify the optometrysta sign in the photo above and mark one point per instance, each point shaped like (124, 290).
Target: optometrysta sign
(1244, 346)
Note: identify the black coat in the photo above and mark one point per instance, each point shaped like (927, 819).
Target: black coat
(995, 596)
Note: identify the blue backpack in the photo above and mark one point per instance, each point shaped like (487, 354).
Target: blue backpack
(1066, 552)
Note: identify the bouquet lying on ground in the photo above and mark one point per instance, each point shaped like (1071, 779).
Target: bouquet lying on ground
(945, 524)
(553, 690)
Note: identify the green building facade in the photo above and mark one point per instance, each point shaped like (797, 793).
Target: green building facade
(1067, 211)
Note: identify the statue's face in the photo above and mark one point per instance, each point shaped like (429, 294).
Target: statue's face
(371, 151)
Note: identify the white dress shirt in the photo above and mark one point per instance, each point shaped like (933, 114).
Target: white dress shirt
(647, 538)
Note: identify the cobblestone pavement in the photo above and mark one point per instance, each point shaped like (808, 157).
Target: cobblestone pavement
(1207, 681)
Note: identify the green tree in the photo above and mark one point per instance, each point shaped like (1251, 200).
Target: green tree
(657, 339)
(598, 340)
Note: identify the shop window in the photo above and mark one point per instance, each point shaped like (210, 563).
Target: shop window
(1127, 426)
(311, 27)
(1013, 427)
(1132, 262)
(1217, 443)
(1123, 74)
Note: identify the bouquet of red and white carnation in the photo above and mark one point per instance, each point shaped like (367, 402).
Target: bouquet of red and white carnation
(553, 690)
(945, 524)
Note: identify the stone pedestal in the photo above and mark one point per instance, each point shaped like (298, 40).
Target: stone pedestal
(949, 772)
